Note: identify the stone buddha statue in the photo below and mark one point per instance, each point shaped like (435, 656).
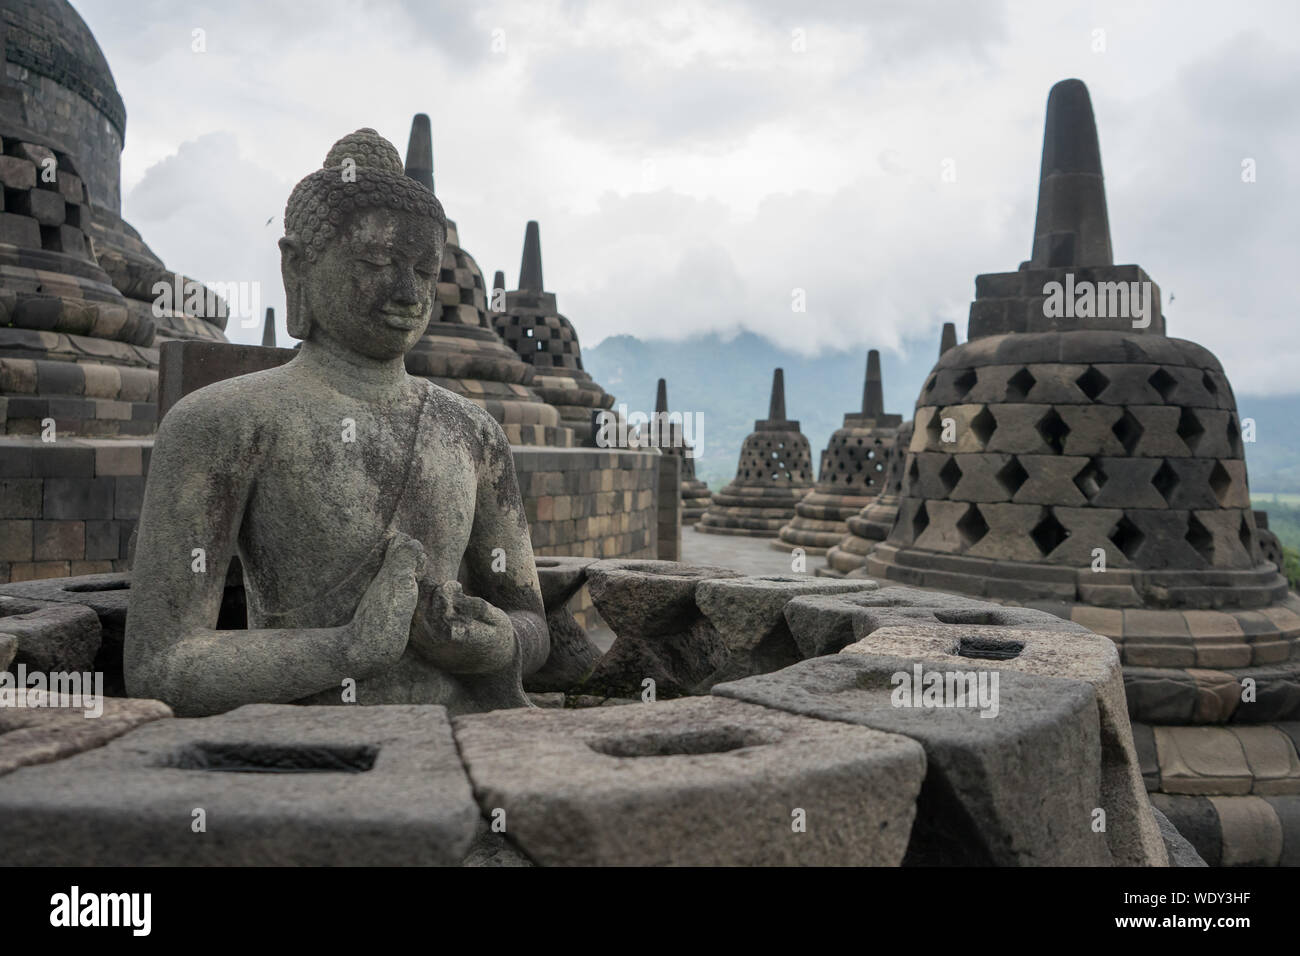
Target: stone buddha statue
(377, 516)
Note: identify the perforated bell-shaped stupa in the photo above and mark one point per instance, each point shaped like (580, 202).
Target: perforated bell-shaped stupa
(852, 471)
(532, 325)
(774, 474)
(81, 314)
(460, 350)
(873, 523)
(1073, 457)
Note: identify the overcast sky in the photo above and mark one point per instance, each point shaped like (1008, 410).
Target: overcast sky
(693, 163)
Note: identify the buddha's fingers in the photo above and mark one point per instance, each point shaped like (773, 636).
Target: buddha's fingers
(382, 623)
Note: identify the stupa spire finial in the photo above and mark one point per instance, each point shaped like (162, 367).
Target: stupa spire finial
(419, 151)
(1071, 227)
(776, 408)
(948, 338)
(530, 269)
(268, 329)
(873, 396)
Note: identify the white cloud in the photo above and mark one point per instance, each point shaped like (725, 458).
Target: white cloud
(771, 169)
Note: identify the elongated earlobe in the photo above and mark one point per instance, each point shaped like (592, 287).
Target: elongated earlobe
(298, 318)
(297, 315)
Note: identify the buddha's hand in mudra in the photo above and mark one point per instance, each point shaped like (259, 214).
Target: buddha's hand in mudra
(378, 633)
(462, 634)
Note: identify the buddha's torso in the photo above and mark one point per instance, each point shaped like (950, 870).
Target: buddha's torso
(333, 476)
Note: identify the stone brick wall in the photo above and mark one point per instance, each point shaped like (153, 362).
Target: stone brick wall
(68, 507)
(595, 503)
(588, 502)
(670, 507)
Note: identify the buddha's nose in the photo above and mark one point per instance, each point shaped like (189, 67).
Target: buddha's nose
(405, 292)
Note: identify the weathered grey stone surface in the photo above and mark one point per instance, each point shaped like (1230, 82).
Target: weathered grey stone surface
(573, 654)
(551, 699)
(278, 786)
(661, 634)
(33, 735)
(493, 849)
(748, 615)
(580, 701)
(1168, 695)
(1047, 647)
(352, 492)
(1015, 789)
(913, 622)
(105, 594)
(8, 648)
(825, 624)
(1234, 830)
(51, 637)
(701, 781)
(1178, 849)
(1196, 818)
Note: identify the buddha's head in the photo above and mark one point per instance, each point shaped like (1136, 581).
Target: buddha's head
(361, 250)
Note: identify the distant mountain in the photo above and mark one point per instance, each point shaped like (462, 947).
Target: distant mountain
(730, 382)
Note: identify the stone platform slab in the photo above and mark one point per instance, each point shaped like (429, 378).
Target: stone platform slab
(272, 785)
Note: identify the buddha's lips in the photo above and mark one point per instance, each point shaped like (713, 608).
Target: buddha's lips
(404, 320)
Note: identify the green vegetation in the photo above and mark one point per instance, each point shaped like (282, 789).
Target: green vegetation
(1284, 521)
(1283, 517)
(1291, 562)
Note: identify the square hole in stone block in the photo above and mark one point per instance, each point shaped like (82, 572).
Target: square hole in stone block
(1128, 537)
(1019, 385)
(1092, 383)
(274, 758)
(989, 649)
(1162, 382)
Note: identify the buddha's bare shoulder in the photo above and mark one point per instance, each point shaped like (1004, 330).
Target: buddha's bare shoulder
(458, 414)
(230, 411)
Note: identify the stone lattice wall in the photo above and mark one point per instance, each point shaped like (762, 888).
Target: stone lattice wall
(70, 349)
(774, 473)
(1053, 457)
